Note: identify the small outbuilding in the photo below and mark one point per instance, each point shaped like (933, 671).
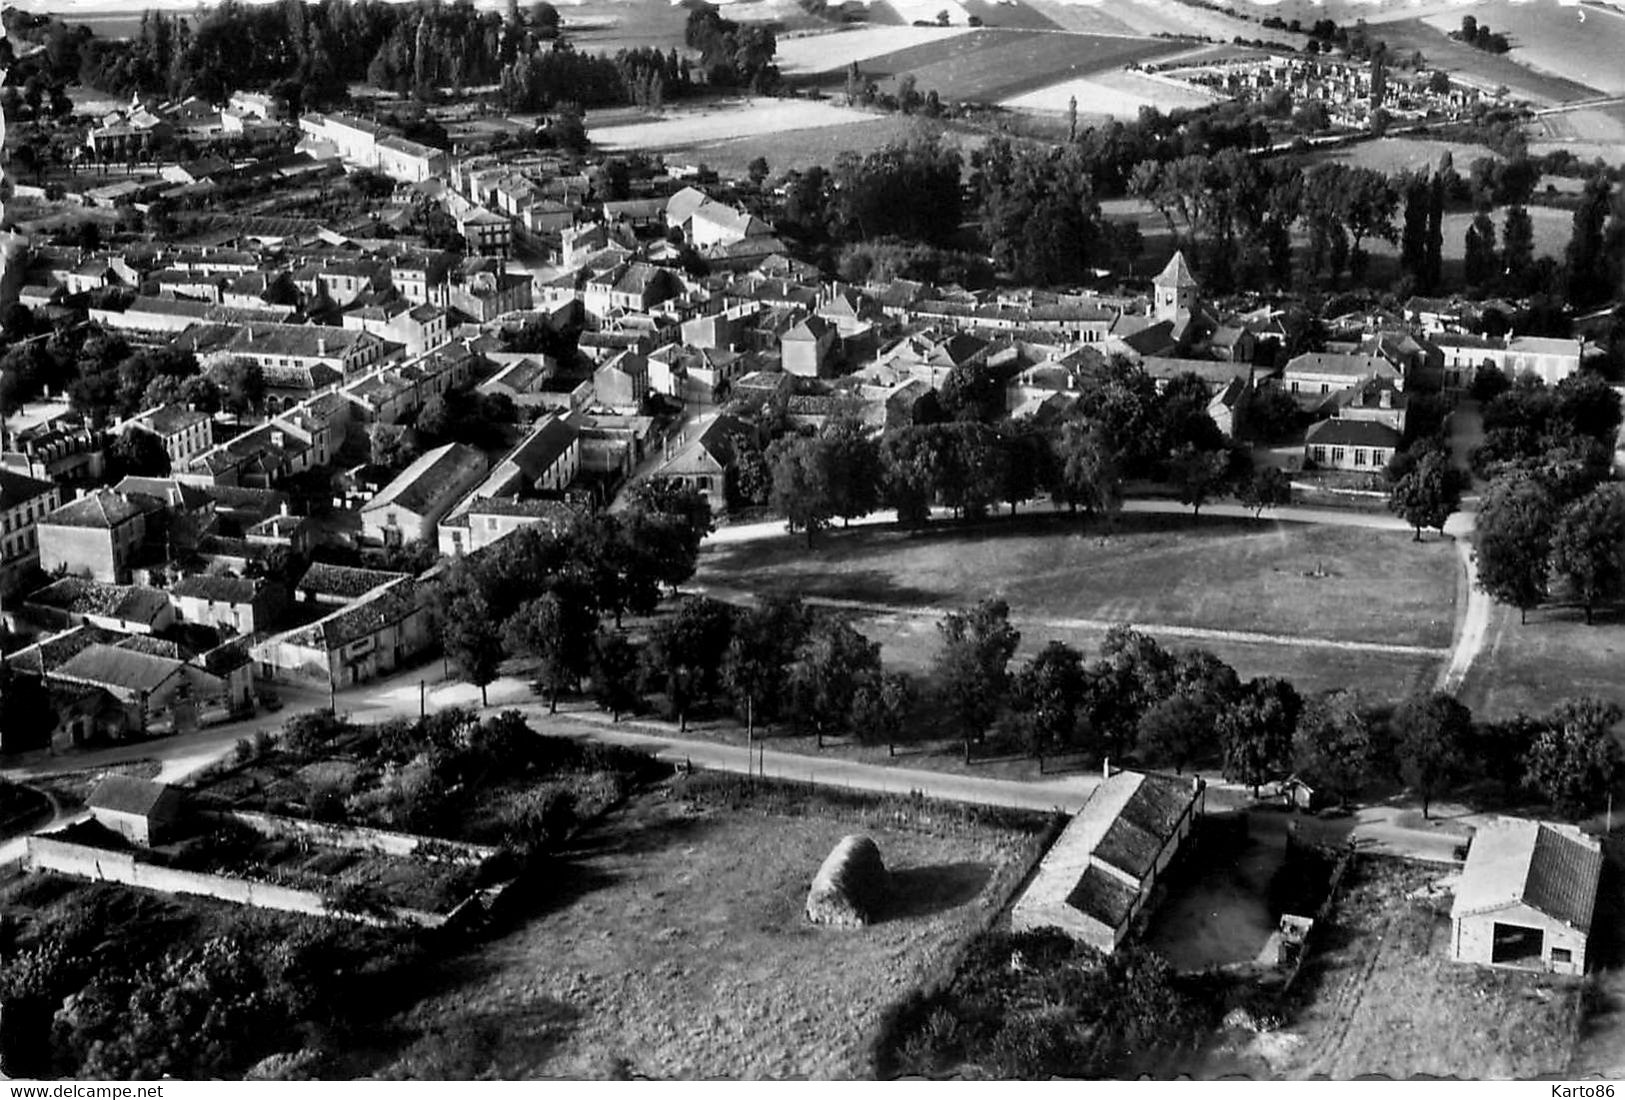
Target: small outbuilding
(850, 888)
(141, 811)
(1526, 897)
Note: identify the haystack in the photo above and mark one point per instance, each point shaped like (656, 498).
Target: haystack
(850, 888)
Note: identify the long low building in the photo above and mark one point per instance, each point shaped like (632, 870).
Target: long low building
(1099, 874)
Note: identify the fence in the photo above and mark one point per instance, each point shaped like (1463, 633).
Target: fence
(360, 838)
(1318, 926)
(103, 865)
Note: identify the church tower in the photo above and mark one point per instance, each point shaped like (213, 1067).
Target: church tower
(1176, 294)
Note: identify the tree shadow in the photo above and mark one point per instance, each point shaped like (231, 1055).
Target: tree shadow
(917, 892)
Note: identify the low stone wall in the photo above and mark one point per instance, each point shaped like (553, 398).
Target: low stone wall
(360, 838)
(102, 865)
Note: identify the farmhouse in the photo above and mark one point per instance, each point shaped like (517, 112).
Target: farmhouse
(409, 507)
(139, 810)
(1100, 873)
(1364, 446)
(1526, 897)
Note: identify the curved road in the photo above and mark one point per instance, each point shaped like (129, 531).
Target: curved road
(1377, 828)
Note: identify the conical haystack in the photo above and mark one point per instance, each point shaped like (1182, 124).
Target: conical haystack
(850, 888)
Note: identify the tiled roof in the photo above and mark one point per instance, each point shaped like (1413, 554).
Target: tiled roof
(16, 489)
(432, 479)
(1352, 433)
(102, 509)
(80, 596)
(111, 667)
(128, 795)
(347, 581)
(216, 588)
(1552, 868)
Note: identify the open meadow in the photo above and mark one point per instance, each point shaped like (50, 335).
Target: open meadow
(1380, 995)
(1263, 576)
(991, 66)
(833, 50)
(655, 949)
(1531, 667)
(1119, 93)
(801, 149)
(720, 120)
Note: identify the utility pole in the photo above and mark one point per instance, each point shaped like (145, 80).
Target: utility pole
(423, 690)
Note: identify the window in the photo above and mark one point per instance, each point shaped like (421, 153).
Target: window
(1562, 955)
(1359, 456)
(1337, 454)
(491, 523)
(1325, 387)
(1294, 387)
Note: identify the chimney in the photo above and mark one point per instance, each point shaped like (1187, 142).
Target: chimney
(321, 345)
(1385, 398)
(1106, 768)
(284, 509)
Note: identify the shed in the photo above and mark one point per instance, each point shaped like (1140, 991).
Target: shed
(139, 810)
(1526, 897)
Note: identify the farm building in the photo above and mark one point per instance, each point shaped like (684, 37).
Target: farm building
(1101, 871)
(1526, 897)
(137, 809)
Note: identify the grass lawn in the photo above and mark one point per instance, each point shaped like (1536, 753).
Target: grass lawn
(1213, 572)
(988, 65)
(800, 149)
(1534, 666)
(911, 643)
(1381, 996)
(663, 953)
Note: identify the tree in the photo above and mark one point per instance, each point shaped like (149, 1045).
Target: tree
(1174, 730)
(1512, 542)
(1199, 474)
(972, 668)
(1585, 259)
(1256, 732)
(1267, 488)
(1429, 493)
(1489, 382)
(1517, 247)
(758, 170)
(1048, 694)
(853, 468)
(1480, 264)
(557, 630)
(392, 445)
(26, 717)
(801, 490)
(683, 658)
(1500, 750)
(614, 673)
(833, 664)
(1575, 759)
(1432, 732)
(471, 635)
(881, 709)
(242, 385)
(1332, 746)
(1588, 546)
(756, 668)
(1088, 469)
(139, 453)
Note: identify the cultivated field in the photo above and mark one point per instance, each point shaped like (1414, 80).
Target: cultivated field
(800, 149)
(1534, 666)
(1407, 154)
(722, 120)
(990, 66)
(832, 51)
(1151, 17)
(1553, 39)
(1384, 997)
(1486, 70)
(1213, 573)
(664, 953)
(1120, 92)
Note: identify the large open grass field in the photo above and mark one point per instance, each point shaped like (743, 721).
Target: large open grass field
(1534, 666)
(1488, 70)
(801, 148)
(662, 952)
(1214, 573)
(991, 65)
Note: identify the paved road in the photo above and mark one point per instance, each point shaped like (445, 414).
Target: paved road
(402, 695)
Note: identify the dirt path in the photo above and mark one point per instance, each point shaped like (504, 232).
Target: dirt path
(1194, 633)
(1472, 623)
